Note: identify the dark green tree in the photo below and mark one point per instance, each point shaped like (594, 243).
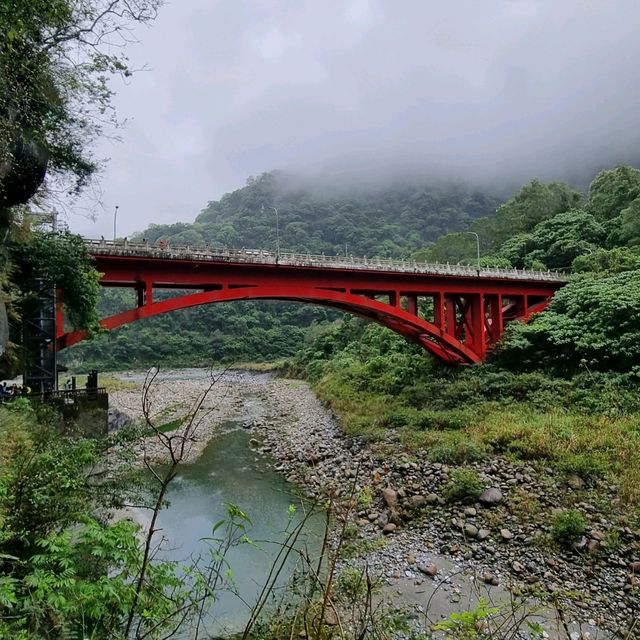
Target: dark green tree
(559, 240)
(55, 60)
(593, 322)
(535, 202)
(629, 228)
(608, 261)
(612, 191)
(63, 260)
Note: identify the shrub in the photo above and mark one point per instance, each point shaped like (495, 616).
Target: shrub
(568, 526)
(464, 486)
(351, 584)
(365, 498)
(401, 417)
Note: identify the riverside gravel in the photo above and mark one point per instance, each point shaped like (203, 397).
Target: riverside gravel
(438, 557)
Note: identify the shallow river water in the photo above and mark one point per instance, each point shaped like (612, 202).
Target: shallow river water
(229, 471)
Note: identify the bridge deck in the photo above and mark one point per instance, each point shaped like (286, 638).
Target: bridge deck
(257, 257)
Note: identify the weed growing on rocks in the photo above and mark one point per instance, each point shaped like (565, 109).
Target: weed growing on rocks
(465, 486)
(568, 526)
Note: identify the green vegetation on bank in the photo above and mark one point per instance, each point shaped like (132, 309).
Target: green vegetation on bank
(387, 391)
(66, 570)
(30, 260)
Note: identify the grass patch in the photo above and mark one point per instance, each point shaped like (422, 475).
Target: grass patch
(465, 486)
(590, 445)
(172, 425)
(568, 527)
(260, 367)
(361, 547)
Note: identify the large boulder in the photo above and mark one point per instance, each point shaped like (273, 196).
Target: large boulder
(491, 497)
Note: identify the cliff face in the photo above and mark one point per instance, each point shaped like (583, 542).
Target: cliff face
(23, 165)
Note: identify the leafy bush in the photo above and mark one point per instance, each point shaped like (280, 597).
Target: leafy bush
(448, 420)
(365, 498)
(592, 322)
(401, 417)
(465, 486)
(568, 526)
(351, 583)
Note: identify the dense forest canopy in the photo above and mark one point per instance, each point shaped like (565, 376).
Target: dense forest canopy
(387, 222)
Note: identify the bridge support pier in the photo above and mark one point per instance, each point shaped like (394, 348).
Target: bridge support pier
(474, 322)
(412, 305)
(494, 319)
(144, 293)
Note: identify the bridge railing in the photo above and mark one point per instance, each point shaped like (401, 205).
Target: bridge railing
(260, 256)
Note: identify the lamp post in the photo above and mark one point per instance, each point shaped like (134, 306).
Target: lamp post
(473, 233)
(277, 235)
(115, 219)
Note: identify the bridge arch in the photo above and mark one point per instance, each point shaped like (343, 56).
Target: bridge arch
(469, 306)
(434, 339)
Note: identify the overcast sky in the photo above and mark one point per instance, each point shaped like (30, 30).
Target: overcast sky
(477, 89)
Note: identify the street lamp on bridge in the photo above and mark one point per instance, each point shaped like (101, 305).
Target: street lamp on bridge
(473, 233)
(277, 232)
(277, 235)
(115, 219)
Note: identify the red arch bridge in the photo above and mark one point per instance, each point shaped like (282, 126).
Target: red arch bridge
(455, 312)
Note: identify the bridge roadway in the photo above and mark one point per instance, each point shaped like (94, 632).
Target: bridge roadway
(260, 256)
(456, 312)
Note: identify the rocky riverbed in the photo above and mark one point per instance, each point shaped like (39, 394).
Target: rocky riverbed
(437, 555)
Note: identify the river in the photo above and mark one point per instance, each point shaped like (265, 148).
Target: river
(232, 470)
(229, 472)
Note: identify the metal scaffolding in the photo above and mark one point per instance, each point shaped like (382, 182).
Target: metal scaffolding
(38, 338)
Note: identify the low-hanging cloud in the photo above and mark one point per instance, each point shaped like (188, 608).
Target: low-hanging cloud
(495, 90)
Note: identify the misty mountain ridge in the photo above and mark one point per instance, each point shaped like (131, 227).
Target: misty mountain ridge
(325, 214)
(330, 218)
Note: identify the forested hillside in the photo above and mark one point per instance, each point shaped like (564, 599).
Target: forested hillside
(387, 222)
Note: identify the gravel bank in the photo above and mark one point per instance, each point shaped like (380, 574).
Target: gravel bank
(174, 394)
(481, 548)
